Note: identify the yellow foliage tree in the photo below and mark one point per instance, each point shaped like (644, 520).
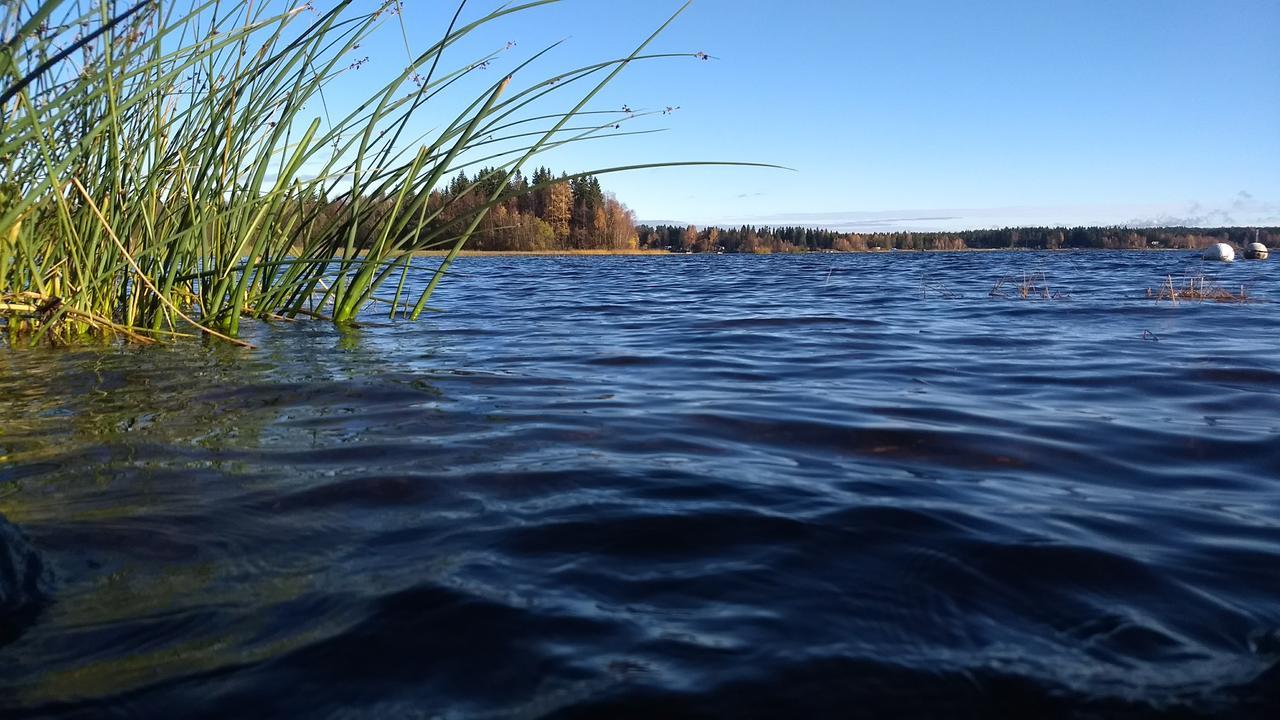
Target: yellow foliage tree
(559, 209)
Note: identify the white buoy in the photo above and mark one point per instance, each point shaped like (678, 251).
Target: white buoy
(1256, 251)
(1219, 251)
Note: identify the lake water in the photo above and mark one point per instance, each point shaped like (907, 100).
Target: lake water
(686, 486)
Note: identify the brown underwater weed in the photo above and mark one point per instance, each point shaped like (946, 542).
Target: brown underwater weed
(1032, 286)
(1196, 287)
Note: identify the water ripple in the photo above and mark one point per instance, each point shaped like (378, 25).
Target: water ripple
(703, 486)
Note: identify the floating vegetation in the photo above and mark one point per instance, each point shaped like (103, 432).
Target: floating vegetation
(1032, 286)
(1196, 287)
(170, 168)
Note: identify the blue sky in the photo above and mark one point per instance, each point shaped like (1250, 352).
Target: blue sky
(920, 115)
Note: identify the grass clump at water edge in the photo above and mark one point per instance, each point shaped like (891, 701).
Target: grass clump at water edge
(159, 174)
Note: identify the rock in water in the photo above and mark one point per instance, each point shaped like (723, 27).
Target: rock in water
(24, 582)
(1256, 251)
(1219, 251)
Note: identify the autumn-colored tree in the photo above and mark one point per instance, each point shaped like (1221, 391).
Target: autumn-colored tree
(528, 233)
(689, 238)
(620, 225)
(559, 210)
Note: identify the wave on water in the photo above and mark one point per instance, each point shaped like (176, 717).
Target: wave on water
(664, 487)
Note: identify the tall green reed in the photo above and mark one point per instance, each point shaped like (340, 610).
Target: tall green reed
(161, 175)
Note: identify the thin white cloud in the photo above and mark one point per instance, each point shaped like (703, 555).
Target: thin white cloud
(1243, 209)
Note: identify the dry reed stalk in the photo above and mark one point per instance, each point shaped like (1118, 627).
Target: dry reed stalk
(1196, 287)
(1032, 286)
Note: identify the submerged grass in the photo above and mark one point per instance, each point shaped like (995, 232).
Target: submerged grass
(1032, 286)
(159, 176)
(1198, 288)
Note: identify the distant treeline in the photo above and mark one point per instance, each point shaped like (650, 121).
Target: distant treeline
(542, 212)
(537, 212)
(549, 212)
(750, 239)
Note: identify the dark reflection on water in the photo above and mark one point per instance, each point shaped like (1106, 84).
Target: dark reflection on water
(655, 487)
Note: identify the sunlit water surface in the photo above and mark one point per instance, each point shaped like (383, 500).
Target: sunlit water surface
(720, 486)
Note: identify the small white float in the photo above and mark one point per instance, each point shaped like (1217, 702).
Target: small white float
(1256, 251)
(1219, 251)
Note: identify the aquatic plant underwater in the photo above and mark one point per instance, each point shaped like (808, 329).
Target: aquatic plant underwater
(168, 169)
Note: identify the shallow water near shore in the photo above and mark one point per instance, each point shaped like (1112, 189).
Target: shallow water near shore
(712, 486)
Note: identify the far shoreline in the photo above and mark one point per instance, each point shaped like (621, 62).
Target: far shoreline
(650, 252)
